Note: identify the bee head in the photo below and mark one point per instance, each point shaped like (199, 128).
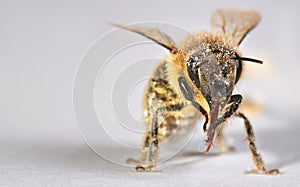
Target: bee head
(215, 73)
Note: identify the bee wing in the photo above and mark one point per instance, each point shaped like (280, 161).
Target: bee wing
(153, 34)
(235, 23)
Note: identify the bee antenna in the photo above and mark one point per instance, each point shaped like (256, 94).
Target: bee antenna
(248, 59)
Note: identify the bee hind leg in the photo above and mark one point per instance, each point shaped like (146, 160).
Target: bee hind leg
(144, 150)
(257, 158)
(151, 152)
(150, 148)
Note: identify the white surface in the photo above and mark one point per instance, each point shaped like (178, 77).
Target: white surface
(41, 45)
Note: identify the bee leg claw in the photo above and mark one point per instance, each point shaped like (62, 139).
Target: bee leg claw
(273, 172)
(267, 172)
(140, 168)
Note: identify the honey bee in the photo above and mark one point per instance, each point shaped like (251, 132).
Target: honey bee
(197, 79)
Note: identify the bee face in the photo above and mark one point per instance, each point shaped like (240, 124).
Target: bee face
(214, 71)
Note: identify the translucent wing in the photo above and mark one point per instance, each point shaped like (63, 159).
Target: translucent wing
(153, 34)
(235, 23)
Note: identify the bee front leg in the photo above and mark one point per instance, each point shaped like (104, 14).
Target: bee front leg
(234, 102)
(257, 158)
(187, 93)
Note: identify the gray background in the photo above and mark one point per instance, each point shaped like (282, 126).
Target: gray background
(41, 44)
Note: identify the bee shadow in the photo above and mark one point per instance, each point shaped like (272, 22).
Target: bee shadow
(62, 155)
(190, 157)
(282, 143)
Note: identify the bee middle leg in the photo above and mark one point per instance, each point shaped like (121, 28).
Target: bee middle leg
(221, 140)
